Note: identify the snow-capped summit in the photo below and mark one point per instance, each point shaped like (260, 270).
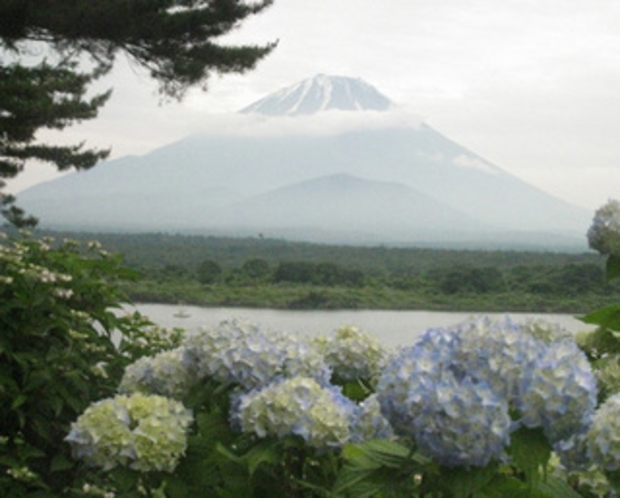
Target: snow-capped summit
(321, 93)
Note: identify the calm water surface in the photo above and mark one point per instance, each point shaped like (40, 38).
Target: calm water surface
(392, 328)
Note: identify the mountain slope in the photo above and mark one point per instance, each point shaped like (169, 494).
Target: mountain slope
(394, 182)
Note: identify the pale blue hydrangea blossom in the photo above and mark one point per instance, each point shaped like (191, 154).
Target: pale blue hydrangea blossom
(166, 373)
(604, 233)
(452, 391)
(369, 423)
(297, 406)
(603, 437)
(353, 354)
(559, 392)
(404, 381)
(495, 352)
(241, 353)
(466, 424)
(142, 432)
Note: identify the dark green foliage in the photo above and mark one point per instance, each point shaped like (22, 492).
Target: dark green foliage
(176, 40)
(280, 274)
(476, 280)
(256, 268)
(59, 322)
(208, 272)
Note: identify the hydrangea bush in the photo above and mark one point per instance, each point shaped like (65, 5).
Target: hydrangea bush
(483, 398)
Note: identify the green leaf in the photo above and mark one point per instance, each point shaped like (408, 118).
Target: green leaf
(556, 488)
(607, 317)
(377, 466)
(463, 483)
(381, 452)
(266, 452)
(175, 487)
(530, 452)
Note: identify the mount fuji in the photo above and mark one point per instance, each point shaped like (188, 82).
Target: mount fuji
(385, 183)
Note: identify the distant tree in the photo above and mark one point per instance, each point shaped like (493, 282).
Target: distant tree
(51, 51)
(208, 271)
(256, 268)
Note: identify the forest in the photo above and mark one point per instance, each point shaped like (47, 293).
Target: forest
(274, 273)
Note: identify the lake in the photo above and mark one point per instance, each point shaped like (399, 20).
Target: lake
(391, 327)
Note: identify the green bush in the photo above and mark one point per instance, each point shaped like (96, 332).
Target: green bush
(64, 342)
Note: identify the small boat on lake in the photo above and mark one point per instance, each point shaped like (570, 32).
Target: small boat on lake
(181, 314)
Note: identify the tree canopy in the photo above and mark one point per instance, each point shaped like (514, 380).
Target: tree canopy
(74, 42)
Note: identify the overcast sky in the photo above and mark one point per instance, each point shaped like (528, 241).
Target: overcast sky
(533, 86)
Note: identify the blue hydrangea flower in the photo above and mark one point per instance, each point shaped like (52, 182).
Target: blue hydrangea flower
(559, 392)
(496, 352)
(142, 432)
(452, 390)
(369, 423)
(166, 374)
(465, 424)
(353, 354)
(603, 437)
(604, 233)
(241, 353)
(297, 406)
(408, 377)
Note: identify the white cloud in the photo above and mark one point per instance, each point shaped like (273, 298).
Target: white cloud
(471, 162)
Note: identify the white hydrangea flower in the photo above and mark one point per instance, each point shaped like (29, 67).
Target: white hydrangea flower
(546, 331)
(353, 354)
(297, 406)
(142, 432)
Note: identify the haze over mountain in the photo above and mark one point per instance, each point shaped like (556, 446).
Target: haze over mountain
(387, 183)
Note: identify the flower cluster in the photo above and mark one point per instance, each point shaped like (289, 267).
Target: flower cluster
(166, 373)
(559, 392)
(545, 331)
(454, 389)
(241, 353)
(604, 233)
(352, 354)
(297, 406)
(143, 432)
(369, 423)
(603, 437)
